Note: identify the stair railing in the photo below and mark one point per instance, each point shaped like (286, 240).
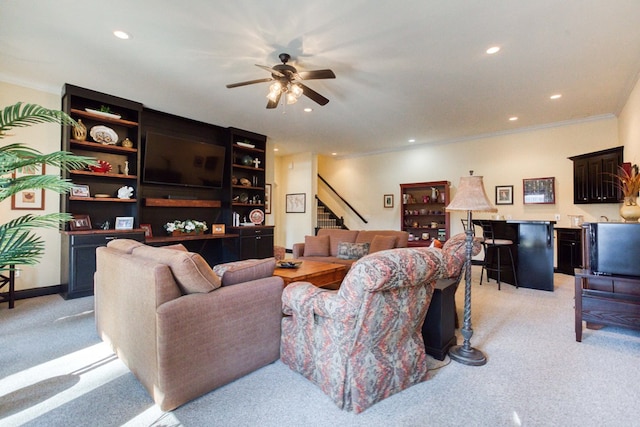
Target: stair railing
(342, 199)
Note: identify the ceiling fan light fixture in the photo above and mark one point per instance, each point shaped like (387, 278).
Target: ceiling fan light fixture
(297, 90)
(291, 98)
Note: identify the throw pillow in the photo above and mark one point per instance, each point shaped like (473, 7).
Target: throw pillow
(435, 243)
(381, 243)
(352, 250)
(316, 246)
(191, 271)
(232, 273)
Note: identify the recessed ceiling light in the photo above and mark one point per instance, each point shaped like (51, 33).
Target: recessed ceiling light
(334, 154)
(556, 96)
(308, 110)
(275, 149)
(513, 119)
(493, 49)
(412, 140)
(121, 34)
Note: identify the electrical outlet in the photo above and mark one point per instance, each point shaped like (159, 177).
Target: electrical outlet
(557, 217)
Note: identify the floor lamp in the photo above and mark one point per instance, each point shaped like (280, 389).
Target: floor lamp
(469, 197)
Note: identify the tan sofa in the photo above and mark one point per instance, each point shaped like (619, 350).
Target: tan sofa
(326, 246)
(182, 334)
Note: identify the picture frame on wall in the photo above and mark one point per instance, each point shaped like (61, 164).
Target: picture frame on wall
(80, 222)
(504, 194)
(296, 203)
(267, 198)
(388, 201)
(29, 199)
(124, 223)
(539, 191)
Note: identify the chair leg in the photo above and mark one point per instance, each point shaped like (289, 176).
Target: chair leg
(499, 264)
(513, 269)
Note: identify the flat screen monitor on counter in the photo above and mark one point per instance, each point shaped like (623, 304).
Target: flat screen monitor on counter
(613, 248)
(184, 162)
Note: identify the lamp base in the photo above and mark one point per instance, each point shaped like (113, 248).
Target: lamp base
(467, 356)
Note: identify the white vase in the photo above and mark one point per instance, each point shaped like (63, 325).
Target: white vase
(630, 211)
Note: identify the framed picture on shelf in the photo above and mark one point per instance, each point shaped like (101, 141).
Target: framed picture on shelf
(388, 201)
(147, 230)
(296, 203)
(124, 223)
(80, 222)
(504, 194)
(30, 199)
(267, 198)
(539, 191)
(80, 191)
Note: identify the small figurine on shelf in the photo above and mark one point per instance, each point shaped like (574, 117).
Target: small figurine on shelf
(126, 167)
(80, 131)
(125, 192)
(256, 162)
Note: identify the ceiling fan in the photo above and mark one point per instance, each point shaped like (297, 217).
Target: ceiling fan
(286, 80)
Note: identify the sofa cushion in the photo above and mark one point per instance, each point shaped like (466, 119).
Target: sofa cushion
(191, 271)
(124, 245)
(232, 273)
(176, 247)
(316, 245)
(337, 236)
(352, 250)
(382, 243)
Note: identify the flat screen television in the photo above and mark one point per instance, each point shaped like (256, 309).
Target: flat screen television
(613, 248)
(182, 162)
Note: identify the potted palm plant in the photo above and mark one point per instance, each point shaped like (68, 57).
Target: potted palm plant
(19, 245)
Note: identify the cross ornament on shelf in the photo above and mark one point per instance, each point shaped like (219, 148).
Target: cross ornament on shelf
(256, 162)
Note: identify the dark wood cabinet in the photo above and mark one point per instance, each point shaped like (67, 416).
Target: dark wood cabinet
(593, 180)
(248, 162)
(79, 258)
(423, 213)
(569, 244)
(254, 242)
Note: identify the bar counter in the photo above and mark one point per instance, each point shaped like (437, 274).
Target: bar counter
(533, 247)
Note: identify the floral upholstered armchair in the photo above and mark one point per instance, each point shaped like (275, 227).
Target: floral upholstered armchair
(363, 342)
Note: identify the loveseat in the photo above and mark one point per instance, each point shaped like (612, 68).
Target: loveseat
(340, 246)
(179, 327)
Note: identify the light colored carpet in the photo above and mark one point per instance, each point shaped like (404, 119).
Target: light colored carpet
(54, 371)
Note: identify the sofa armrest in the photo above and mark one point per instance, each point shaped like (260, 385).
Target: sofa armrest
(297, 250)
(208, 340)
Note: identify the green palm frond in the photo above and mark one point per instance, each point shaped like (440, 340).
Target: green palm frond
(18, 243)
(23, 115)
(18, 156)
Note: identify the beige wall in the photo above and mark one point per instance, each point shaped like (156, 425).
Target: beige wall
(46, 138)
(629, 125)
(501, 160)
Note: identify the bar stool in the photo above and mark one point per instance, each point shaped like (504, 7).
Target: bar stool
(494, 247)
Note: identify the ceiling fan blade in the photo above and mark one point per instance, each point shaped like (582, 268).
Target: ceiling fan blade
(250, 82)
(271, 70)
(274, 104)
(316, 74)
(315, 96)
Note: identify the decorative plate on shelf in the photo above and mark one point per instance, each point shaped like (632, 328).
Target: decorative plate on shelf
(289, 264)
(101, 196)
(256, 216)
(244, 198)
(102, 113)
(104, 135)
(103, 166)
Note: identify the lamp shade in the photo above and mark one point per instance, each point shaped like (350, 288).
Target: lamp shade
(471, 196)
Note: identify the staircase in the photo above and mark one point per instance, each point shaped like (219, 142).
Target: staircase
(326, 218)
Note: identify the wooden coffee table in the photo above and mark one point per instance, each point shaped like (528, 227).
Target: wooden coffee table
(321, 274)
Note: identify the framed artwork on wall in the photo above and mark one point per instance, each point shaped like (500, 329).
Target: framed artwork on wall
(539, 191)
(388, 201)
(29, 199)
(504, 194)
(267, 198)
(296, 203)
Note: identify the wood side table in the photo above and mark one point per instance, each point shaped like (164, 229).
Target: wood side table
(439, 330)
(321, 274)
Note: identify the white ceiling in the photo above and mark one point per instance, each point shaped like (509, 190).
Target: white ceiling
(405, 69)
